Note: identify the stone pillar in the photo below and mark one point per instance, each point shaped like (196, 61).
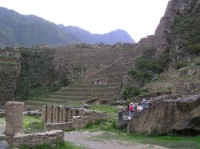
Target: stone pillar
(14, 117)
(57, 114)
(67, 114)
(63, 116)
(44, 113)
(73, 111)
(49, 114)
(60, 114)
(54, 114)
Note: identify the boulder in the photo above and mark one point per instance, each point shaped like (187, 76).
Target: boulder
(4, 145)
(32, 113)
(180, 116)
(191, 72)
(86, 106)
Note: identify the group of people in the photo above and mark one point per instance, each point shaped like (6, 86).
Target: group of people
(98, 81)
(133, 108)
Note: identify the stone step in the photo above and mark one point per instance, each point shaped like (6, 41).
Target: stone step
(67, 97)
(81, 94)
(10, 60)
(92, 85)
(113, 80)
(45, 101)
(7, 66)
(108, 75)
(89, 90)
(40, 103)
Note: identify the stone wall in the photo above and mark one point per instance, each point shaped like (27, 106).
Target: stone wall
(66, 118)
(181, 116)
(9, 71)
(51, 137)
(14, 134)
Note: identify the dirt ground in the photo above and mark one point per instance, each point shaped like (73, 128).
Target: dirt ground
(91, 140)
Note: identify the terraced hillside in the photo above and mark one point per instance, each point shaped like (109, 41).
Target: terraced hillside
(104, 67)
(9, 70)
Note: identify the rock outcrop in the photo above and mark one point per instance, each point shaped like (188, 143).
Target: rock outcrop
(180, 116)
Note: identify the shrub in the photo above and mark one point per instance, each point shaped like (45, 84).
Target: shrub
(193, 49)
(133, 91)
(140, 75)
(149, 64)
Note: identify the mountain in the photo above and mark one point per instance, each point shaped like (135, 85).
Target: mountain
(109, 38)
(30, 30)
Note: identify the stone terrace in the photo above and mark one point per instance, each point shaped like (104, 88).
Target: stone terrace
(107, 64)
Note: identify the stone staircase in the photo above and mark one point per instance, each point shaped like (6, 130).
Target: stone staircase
(86, 89)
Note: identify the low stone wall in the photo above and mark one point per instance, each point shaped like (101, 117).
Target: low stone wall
(14, 129)
(50, 137)
(66, 118)
(55, 126)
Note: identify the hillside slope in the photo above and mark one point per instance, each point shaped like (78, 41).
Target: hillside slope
(169, 63)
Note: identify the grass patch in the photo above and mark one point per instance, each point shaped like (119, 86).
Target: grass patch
(32, 124)
(66, 145)
(2, 120)
(111, 110)
(112, 132)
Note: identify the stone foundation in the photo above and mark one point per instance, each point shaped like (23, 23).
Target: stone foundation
(50, 137)
(66, 118)
(14, 123)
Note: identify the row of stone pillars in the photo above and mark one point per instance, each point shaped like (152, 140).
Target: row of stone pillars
(59, 114)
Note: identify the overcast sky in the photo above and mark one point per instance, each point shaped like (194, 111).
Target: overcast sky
(138, 17)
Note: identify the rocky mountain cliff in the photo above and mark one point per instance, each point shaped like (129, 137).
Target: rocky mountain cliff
(30, 30)
(173, 50)
(167, 73)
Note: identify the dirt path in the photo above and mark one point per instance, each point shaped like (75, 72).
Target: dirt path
(93, 140)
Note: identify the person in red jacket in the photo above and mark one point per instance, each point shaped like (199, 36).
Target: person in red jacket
(131, 110)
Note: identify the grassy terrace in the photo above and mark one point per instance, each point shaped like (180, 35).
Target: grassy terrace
(7, 62)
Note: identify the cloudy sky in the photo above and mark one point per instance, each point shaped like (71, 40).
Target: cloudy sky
(138, 17)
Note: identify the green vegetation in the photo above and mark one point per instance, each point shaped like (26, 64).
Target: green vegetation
(180, 65)
(2, 120)
(111, 110)
(32, 91)
(187, 29)
(38, 75)
(33, 124)
(147, 65)
(194, 49)
(130, 92)
(59, 145)
(112, 132)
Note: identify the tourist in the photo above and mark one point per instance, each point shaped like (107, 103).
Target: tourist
(139, 107)
(144, 104)
(97, 81)
(131, 110)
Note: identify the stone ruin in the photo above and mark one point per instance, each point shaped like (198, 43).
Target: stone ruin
(14, 130)
(55, 118)
(168, 116)
(67, 118)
